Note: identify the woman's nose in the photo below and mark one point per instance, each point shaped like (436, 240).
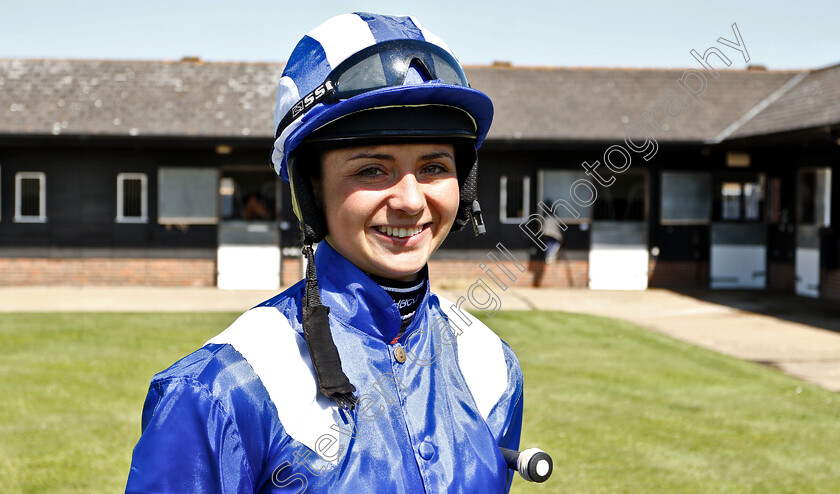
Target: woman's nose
(407, 195)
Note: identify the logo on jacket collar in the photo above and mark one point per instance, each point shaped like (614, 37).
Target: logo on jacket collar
(406, 302)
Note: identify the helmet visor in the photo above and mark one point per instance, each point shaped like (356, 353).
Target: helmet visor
(387, 64)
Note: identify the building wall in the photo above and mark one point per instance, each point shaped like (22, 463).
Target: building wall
(17, 271)
(830, 284)
(81, 198)
(678, 274)
(781, 277)
(830, 256)
(81, 207)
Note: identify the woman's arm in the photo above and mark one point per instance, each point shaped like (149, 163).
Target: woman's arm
(189, 443)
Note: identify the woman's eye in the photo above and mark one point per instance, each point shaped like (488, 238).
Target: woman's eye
(435, 168)
(370, 172)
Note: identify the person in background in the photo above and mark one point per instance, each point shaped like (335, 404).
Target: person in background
(255, 208)
(553, 236)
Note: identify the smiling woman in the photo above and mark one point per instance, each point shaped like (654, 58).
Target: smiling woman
(389, 207)
(358, 378)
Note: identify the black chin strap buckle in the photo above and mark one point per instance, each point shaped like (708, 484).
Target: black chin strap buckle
(477, 219)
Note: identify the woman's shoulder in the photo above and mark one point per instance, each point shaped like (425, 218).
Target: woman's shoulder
(464, 323)
(487, 363)
(245, 355)
(255, 337)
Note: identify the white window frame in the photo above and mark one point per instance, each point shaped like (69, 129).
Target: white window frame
(144, 198)
(526, 200)
(42, 197)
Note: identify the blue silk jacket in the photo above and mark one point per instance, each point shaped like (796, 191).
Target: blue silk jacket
(242, 414)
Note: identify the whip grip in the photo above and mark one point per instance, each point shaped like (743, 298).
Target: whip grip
(534, 465)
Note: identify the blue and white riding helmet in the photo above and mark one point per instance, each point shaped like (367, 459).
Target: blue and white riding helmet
(360, 78)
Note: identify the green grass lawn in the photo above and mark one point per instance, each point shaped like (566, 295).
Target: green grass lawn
(619, 408)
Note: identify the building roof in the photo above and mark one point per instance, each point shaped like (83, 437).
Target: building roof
(813, 101)
(129, 98)
(191, 98)
(601, 104)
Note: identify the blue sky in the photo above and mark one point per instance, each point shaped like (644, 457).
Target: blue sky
(643, 33)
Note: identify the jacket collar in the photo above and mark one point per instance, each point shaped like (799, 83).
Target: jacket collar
(355, 299)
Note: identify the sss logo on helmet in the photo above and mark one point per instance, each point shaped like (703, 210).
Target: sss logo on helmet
(316, 96)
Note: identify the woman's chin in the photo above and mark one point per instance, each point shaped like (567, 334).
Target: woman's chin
(400, 267)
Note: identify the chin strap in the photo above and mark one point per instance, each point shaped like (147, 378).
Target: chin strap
(477, 219)
(332, 382)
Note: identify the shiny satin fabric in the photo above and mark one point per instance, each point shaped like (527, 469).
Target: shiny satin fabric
(210, 425)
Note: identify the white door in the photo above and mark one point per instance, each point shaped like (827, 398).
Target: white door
(618, 251)
(248, 257)
(808, 272)
(618, 255)
(738, 256)
(813, 196)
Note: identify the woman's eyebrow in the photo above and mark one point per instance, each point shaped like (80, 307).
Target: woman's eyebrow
(388, 157)
(367, 155)
(441, 154)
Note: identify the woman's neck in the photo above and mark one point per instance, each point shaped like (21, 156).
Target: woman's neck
(407, 294)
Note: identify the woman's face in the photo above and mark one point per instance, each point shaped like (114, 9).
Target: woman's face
(389, 207)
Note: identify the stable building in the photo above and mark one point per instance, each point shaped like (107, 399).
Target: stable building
(158, 173)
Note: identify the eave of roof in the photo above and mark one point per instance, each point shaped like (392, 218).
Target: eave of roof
(813, 101)
(235, 99)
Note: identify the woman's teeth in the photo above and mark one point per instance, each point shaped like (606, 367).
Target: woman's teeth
(400, 232)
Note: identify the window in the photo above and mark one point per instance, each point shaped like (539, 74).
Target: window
(30, 197)
(686, 198)
(624, 200)
(730, 201)
(739, 199)
(814, 197)
(562, 187)
(752, 201)
(188, 196)
(515, 199)
(132, 202)
(248, 194)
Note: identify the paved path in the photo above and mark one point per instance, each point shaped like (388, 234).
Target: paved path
(799, 336)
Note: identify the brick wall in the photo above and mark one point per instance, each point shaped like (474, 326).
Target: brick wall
(781, 277)
(462, 273)
(444, 273)
(830, 284)
(290, 271)
(678, 274)
(107, 271)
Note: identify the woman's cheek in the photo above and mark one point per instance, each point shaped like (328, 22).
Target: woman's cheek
(451, 197)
